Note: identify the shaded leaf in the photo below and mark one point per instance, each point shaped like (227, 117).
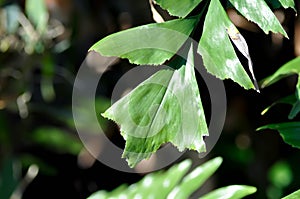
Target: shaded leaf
(290, 68)
(230, 192)
(215, 47)
(178, 8)
(171, 111)
(195, 179)
(292, 100)
(37, 13)
(294, 195)
(275, 4)
(290, 132)
(147, 44)
(259, 12)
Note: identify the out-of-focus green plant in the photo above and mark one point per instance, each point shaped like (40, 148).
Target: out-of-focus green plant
(289, 131)
(175, 183)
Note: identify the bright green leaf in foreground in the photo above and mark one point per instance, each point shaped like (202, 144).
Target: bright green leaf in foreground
(260, 13)
(195, 179)
(164, 108)
(178, 8)
(294, 195)
(169, 184)
(290, 132)
(230, 192)
(148, 44)
(216, 49)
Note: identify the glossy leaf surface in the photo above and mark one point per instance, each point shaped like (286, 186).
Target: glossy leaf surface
(230, 192)
(148, 44)
(178, 8)
(195, 179)
(290, 132)
(164, 108)
(294, 195)
(216, 49)
(259, 12)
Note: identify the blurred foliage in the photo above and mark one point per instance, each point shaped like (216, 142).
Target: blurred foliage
(177, 186)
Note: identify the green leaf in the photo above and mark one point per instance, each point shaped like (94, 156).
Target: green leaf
(147, 44)
(195, 179)
(216, 49)
(290, 68)
(37, 13)
(290, 132)
(275, 4)
(288, 4)
(164, 108)
(292, 100)
(260, 13)
(178, 8)
(294, 195)
(148, 186)
(163, 181)
(230, 192)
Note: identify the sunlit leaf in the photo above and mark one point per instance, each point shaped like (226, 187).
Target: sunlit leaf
(178, 8)
(147, 44)
(288, 3)
(216, 49)
(294, 195)
(230, 192)
(195, 179)
(259, 12)
(290, 132)
(37, 13)
(163, 181)
(148, 187)
(164, 108)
